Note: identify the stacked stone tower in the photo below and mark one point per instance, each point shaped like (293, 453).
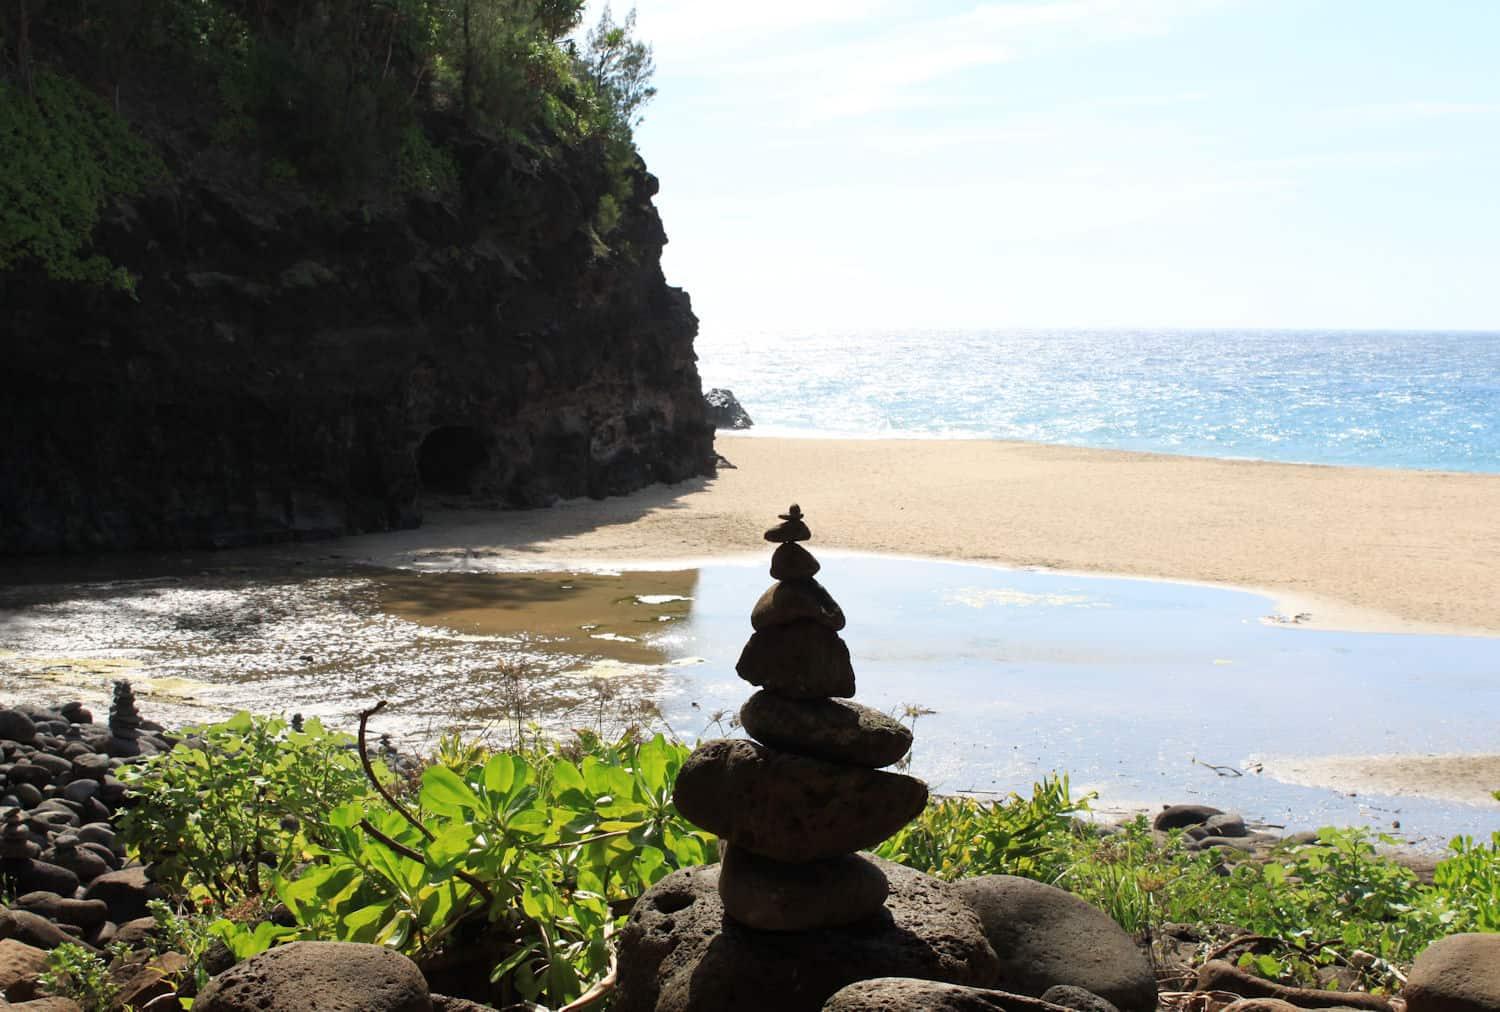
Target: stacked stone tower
(794, 805)
(793, 913)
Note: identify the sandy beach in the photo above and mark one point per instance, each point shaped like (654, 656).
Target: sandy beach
(1353, 548)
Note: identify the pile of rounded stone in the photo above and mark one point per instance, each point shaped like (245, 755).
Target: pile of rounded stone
(60, 861)
(796, 804)
(793, 914)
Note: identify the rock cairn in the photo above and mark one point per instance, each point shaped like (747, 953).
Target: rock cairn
(794, 911)
(796, 804)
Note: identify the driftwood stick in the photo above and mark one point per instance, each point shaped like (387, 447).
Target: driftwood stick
(400, 848)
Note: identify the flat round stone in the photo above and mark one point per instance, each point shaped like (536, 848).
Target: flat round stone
(791, 561)
(789, 530)
(790, 808)
(803, 660)
(794, 601)
(679, 953)
(833, 729)
(772, 895)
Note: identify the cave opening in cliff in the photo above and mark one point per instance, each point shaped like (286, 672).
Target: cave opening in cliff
(449, 459)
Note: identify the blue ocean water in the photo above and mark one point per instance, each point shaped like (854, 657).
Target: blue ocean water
(1397, 399)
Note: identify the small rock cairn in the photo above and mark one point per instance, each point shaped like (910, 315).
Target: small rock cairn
(795, 805)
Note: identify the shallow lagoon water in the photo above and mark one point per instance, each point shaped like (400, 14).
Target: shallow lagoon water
(1129, 686)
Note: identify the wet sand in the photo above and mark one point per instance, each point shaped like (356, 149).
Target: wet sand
(1352, 548)
(1468, 779)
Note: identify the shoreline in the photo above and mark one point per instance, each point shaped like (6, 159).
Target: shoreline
(1359, 549)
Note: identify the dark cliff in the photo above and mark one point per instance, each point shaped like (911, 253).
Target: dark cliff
(292, 367)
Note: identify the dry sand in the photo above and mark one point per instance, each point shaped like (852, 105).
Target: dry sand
(1368, 549)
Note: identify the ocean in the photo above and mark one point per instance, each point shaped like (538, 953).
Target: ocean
(1369, 399)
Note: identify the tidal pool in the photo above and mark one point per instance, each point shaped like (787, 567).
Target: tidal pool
(1143, 691)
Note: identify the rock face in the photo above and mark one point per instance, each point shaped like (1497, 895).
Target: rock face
(1046, 937)
(680, 953)
(327, 976)
(724, 410)
(294, 369)
(1460, 973)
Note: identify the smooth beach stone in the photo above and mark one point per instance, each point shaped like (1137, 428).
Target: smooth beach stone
(772, 895)
(1046, 936)
(1183, 816)
(1078, 999)
(901, 994)
(794, 601)
(16, 726)
(834, 729)
(679, 953)
(789, 530)
(126, 892)
(791, 808)
(791, 561)
(33, 929)
(65, 910)
(803, 660)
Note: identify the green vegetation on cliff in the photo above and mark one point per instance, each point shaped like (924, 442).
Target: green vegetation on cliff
(339, 98)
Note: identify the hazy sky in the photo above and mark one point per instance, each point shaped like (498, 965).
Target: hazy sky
(1280, 163)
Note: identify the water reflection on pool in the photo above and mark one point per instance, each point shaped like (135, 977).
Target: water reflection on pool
(1135, 688)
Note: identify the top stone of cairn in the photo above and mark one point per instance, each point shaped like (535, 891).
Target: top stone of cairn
(791, 528)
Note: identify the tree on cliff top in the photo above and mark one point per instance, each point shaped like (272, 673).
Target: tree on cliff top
(620, 68)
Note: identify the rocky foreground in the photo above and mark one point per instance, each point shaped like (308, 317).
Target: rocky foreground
(1001, 942)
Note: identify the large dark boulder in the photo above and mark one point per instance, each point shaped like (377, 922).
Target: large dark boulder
(126, 893)
(679, 953)
(724, 411)
(1460, 973)
(325, 976)
(791, 808)
(1045, 936)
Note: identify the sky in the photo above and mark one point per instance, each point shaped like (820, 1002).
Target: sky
(1084, 163)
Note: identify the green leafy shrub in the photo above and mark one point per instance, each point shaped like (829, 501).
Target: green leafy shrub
(63, 154)
(422, 167)
(960, 837)
(80, 974)
(1468, 884)
(237, 798)
(543, 846)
